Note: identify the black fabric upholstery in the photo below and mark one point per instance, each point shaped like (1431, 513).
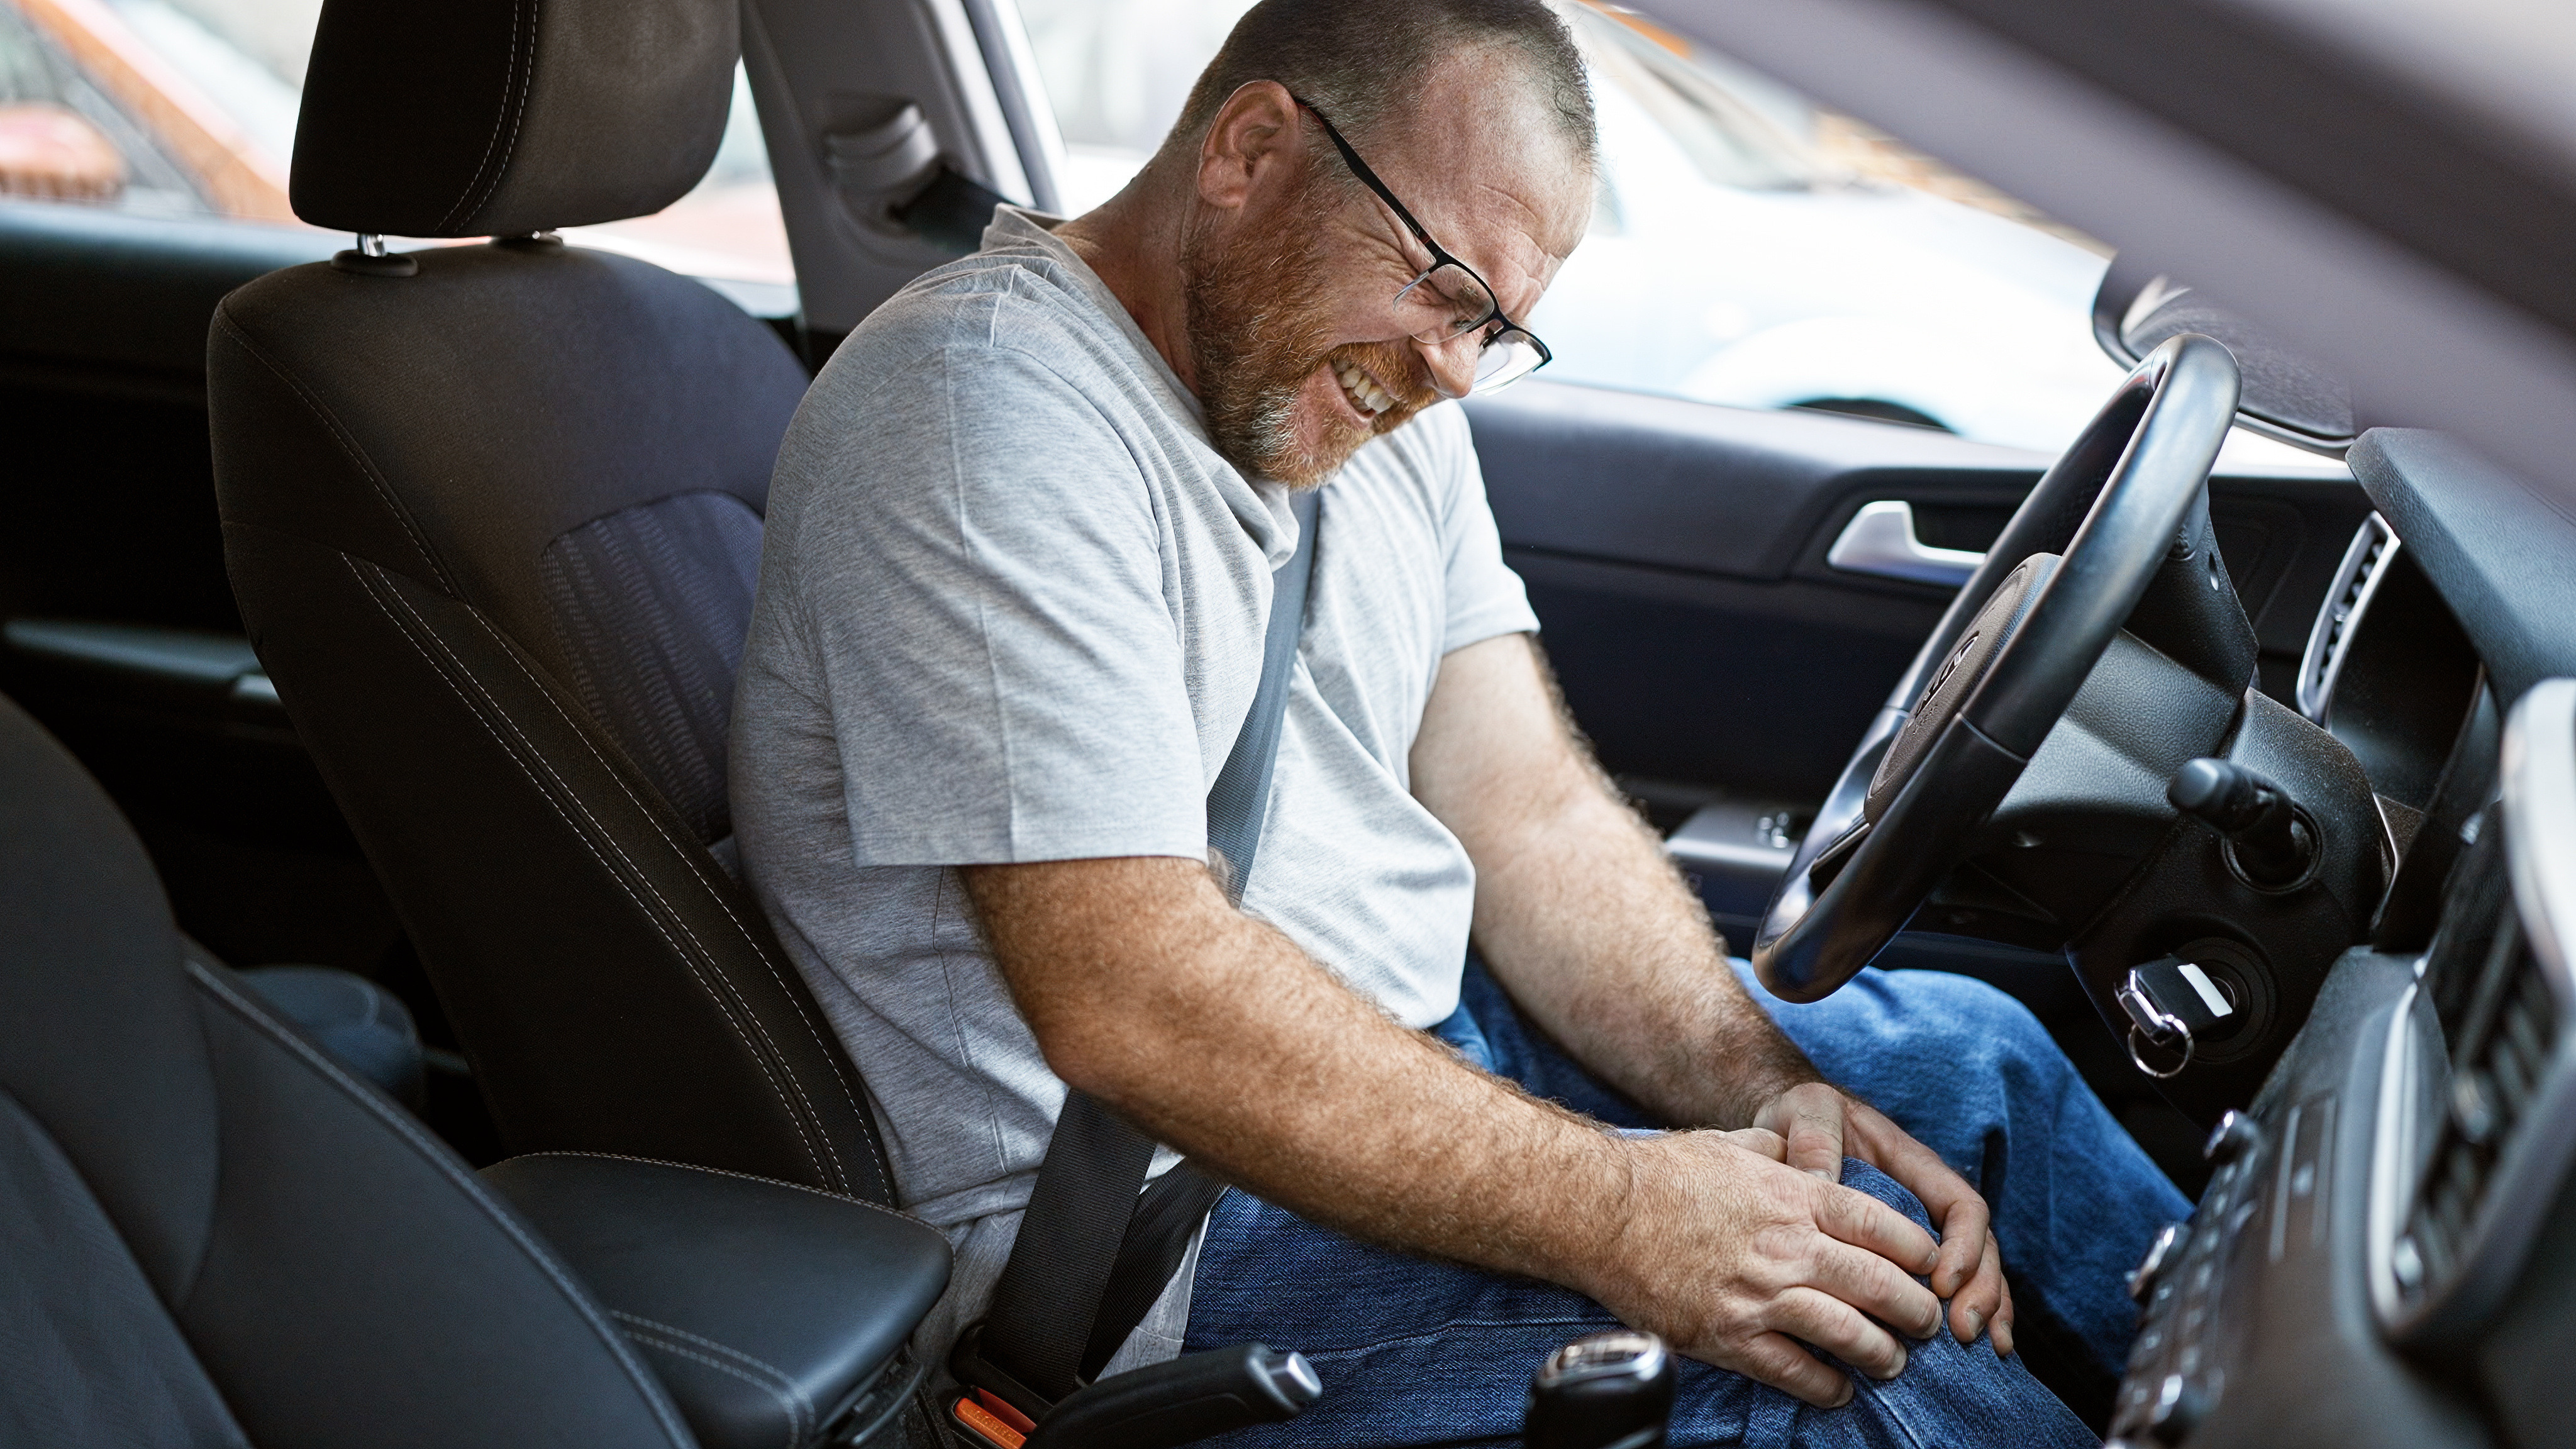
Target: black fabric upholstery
(765, 1307)
(441, 499)
(651, 606)
(338, 1277)
(498, 117)
(91, 1357)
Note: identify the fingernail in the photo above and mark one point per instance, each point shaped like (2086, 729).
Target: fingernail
(1820, 1172)
(1900, 1364)
(1976, 1325)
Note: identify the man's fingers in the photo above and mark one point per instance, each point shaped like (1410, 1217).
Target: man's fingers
(1777, 1360)
(1981, 1298)
(2003, 1319)
(1760, 1141)
(1810, 1118)
(1966, 1239)
(1954, 1207)
(1838, 1329)
(1865, 1222)
(1873, 1285)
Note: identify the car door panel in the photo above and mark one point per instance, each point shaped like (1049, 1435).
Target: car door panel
(117, 625)
(1676, 553)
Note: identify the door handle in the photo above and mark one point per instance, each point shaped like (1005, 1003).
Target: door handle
(1880, 541)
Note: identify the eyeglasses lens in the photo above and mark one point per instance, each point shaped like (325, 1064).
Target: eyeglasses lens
(1443, 303)
(1449, 302)
(1506, 360)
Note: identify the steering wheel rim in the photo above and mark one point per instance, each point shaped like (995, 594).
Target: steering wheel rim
(2114, 503)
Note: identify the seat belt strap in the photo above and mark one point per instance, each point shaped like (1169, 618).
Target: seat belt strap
(1096, 1247)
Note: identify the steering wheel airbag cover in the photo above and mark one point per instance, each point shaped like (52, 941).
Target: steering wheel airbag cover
(1958, 679)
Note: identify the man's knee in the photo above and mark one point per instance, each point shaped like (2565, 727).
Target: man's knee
(1862, 1178)
(1971, 1018)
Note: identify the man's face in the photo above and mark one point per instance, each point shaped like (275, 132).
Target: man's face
(1300, 353)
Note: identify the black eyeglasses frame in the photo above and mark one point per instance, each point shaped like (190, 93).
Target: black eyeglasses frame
(1440, 256)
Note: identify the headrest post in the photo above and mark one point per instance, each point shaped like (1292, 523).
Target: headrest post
(370, 259)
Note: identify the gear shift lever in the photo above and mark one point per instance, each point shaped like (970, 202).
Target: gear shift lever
(1609, 1390)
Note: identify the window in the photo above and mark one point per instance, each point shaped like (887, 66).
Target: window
(1747, 247)
(188, 107)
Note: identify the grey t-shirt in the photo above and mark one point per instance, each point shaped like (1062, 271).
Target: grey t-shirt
(1011, 608)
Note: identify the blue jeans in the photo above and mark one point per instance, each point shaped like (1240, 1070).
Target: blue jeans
(1416, 1353)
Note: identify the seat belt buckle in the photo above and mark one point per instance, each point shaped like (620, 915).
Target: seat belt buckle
(999, 1394)
(986, 1420)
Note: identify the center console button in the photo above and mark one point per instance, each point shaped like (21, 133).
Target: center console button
(2235, 1136)
(2159, 1253)
(2178, 1409)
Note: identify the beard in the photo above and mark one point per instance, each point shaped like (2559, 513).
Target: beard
(1258, 329)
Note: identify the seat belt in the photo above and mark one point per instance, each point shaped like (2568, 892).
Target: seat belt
(1097, 1246)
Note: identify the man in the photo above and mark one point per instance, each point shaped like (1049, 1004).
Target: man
(1009, 624)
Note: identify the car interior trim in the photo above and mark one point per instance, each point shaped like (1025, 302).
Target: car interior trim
(2365, 564)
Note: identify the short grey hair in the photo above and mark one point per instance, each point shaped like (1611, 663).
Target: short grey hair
(1362, 61)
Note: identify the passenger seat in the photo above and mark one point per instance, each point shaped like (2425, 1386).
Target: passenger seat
(493, 517)
(213, 1235)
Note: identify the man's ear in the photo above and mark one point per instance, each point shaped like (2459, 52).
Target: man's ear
(1250, 146)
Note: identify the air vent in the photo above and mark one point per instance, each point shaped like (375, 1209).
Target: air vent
(2356, 579)
(2449, 1252)
(2505, 1051)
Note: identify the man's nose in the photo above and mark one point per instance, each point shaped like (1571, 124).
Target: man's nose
(1452, 364)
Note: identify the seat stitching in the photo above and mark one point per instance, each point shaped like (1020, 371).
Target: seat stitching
(785, 1381)
(796, 1410)
(348, 445)
(859, 1202)
(515, 757)
(518, 8)
(474, 1192)
(659, 927)
(690, 858)
(800, 1405)
(831, 1052)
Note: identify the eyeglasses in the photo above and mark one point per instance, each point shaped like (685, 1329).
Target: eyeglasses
(1448, 300)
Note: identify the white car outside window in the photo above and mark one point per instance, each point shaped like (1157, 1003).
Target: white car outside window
(1731, 259)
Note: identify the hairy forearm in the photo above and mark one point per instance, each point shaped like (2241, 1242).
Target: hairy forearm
(1578, 911)
(1215, 1034)
(1583, 919)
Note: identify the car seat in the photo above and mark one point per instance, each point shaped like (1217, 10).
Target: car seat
(211, 1234)
(493, 517)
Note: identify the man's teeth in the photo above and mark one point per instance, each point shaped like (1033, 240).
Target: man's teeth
(1364, 392)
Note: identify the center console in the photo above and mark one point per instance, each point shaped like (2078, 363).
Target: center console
(2387, 1253)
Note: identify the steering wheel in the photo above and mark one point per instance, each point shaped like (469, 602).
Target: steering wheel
(2000, 669)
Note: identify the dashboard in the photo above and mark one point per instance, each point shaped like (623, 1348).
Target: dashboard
(2386, 1253)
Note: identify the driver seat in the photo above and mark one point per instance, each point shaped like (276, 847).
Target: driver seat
(493, 517)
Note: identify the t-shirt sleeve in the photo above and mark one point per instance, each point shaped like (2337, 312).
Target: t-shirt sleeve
(983, 592)
(1485, 597)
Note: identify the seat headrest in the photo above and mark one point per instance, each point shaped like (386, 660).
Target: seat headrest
(499, 117)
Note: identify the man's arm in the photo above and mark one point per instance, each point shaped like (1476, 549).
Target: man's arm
(1216, 1034)
(1585, 921)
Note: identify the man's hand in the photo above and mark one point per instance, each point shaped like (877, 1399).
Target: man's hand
(1269, 1072)
(1819, 1127)
(1731, 1255)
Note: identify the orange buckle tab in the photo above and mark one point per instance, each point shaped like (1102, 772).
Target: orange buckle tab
(990, 1420)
